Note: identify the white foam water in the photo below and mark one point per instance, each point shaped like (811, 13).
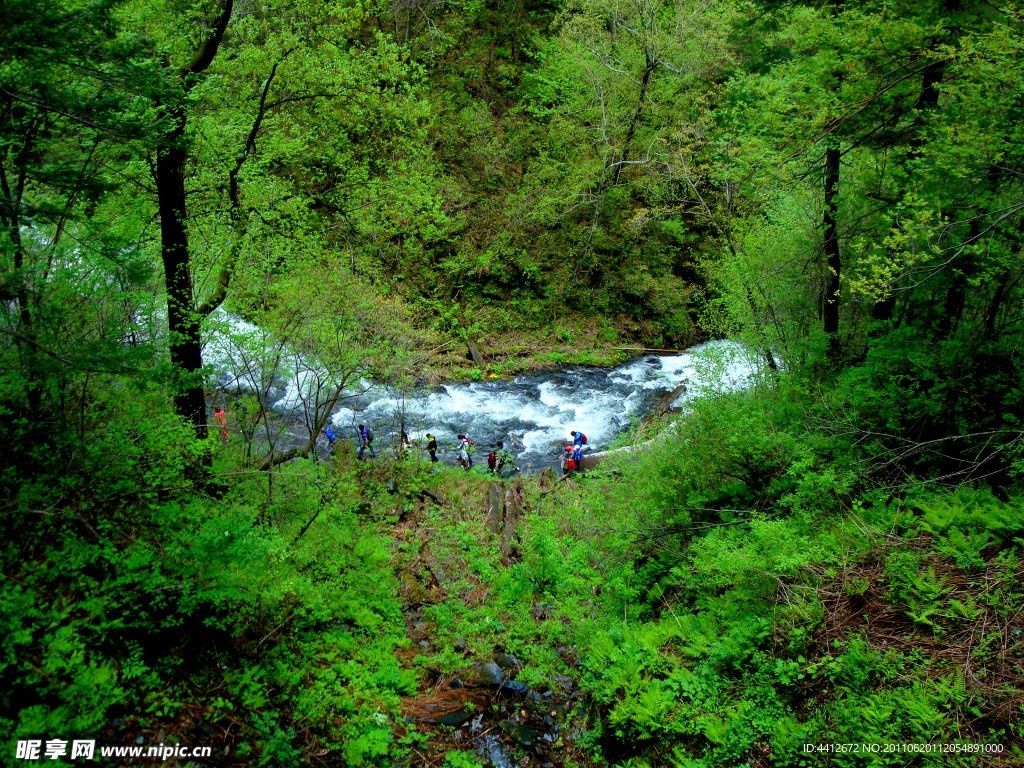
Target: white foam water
(532, 414)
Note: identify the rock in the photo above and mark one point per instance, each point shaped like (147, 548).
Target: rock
(564, 681)
(514, 688)
(392, 485)
(424, 645)
(489, 673)
(461, 645)
(519, 733)
(420, 625)
(454, 719)
(456, 683)
(507, 661)
(498, 752)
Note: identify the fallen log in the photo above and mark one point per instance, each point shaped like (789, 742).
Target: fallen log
(437, 499)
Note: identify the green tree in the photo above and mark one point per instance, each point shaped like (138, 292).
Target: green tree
(263, 114)
(66, 83)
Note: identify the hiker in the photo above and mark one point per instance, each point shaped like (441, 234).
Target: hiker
(568, 462)
(222, 419)
(504, 457)
(466, 447)
(492, 462)
(578, 438)
(365, 441)
(404, 446)
(432, 447)
(577, 456)
(463, 454)
(329, 434)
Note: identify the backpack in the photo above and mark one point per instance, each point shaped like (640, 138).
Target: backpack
(468, 445)
(582, 437)
(329, 434)
(492, 460)
(570, 464)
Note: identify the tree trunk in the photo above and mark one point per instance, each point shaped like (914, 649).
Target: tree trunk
(474, 352)
(183, 322)
(631, 131)
(830, 220)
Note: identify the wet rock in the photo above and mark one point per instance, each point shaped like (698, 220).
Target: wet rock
(507, 661)
(497, 752)
(519, 733)
(514, 688)
(489, 673)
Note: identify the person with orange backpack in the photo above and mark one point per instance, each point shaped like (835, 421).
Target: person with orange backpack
(568, 460)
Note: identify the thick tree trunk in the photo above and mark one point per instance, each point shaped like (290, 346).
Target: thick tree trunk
(183, 323)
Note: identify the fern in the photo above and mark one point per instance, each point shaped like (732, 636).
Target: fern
(930, 588)
(965, 548)
(715, 729)
(968, 609)
(953, 689)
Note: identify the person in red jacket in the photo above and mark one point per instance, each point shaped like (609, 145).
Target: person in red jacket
(222, 419)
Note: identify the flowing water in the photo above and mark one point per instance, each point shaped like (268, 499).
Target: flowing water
(533, 414)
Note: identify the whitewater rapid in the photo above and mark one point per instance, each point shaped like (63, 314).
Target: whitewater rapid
(533, 414)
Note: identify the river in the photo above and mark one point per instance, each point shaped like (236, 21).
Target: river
(533, 413)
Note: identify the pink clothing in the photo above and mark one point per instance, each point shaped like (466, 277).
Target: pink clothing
(223, 421)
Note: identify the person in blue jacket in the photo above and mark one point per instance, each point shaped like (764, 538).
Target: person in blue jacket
(365, 441)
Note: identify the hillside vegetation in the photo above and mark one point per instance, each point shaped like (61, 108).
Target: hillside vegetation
(313, 195)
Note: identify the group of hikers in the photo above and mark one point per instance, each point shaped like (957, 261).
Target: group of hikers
(572, 456)
(571, 459)
(497, 460)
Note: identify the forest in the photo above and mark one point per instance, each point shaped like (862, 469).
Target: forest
(228, 227)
